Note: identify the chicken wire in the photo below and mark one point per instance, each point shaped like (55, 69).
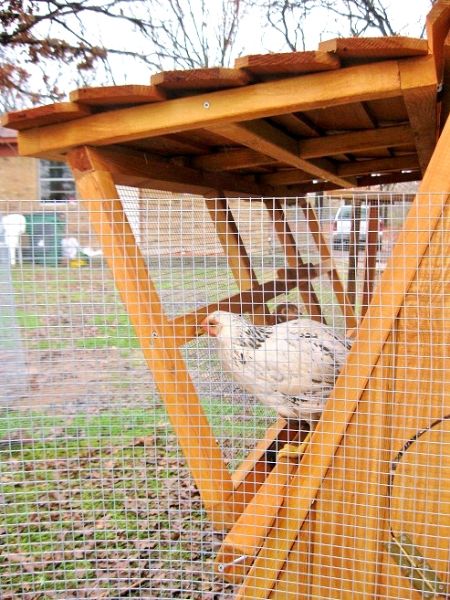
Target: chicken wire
(97, 500)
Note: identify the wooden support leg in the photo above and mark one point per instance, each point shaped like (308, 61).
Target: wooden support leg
(235, 251)
(293, 258)
(96, 188)
(325, 255)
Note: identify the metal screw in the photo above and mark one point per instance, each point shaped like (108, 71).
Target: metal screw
(206, 105)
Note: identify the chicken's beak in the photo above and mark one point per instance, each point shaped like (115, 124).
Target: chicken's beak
(211, 326)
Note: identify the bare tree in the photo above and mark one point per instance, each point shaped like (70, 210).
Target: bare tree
(45, 44)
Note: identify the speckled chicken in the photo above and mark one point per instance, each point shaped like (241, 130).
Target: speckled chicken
(291, 366)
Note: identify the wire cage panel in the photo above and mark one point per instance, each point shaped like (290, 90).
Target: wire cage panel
(97, 498)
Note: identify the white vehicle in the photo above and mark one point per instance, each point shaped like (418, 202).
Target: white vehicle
(342, 227)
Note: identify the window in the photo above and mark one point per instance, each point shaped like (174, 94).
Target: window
(56, 182)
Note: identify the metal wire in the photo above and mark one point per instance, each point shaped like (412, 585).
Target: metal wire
(96, 497)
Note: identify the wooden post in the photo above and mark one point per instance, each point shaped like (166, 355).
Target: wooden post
(234, 249)
(325, 255)
(293, 257)
(155, 334)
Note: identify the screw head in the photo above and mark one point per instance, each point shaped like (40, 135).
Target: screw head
(206, 104)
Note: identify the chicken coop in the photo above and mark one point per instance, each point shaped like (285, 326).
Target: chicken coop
(136, 462)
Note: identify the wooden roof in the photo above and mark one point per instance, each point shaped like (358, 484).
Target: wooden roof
(356, 112)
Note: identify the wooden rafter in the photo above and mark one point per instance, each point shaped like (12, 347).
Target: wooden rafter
(329, 88)
(229, 160)
(260, 135)
(140, 169)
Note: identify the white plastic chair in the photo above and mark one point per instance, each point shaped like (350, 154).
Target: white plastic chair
(14, 227)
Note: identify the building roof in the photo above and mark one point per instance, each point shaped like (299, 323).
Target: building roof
(355, 112)
(8, 142)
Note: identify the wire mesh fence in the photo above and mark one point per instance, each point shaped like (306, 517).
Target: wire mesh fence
(108, 466)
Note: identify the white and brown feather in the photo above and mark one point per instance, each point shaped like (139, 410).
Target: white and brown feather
(291, 366)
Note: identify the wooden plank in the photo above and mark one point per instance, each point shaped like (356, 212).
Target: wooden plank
(370, 258)
(294, 259)
(285, 177)
(346, 117)
(326, 257)
(42, 116)
(236, 253)
(379, 165)
(198, 80)
(352, 381)
(375, 47)
(143, 170)
(287, 63)
(305, 92)
(421, 105)
(116, 95)
(229, 160)
(343, 143)
(297, 124)
(438, 26)
(155, 334)
(263, 137)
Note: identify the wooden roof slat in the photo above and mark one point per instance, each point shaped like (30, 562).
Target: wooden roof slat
(297, 124)
(375, 47)
(41, 116)
(116, 95)
(215, 78)
(344, 117)
(286, 177)
(388, 110)
(236, 158)
(343, 143)
(379, 165)
(265, 138)
(139, 169)
(297, 94)
(287, 63)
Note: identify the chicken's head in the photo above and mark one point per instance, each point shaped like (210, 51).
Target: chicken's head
(216, 321)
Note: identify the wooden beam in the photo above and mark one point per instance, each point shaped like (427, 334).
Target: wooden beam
(155, 335)
(353, 379)
(200, 79)
(358, 141)
(140, 169)
(294, 259)
(263, 137)
(330, 88)
(379, 165)
(228, 160)
(325, 255)
(236, 253)
(421, 104)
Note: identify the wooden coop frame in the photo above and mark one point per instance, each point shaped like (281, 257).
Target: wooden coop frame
(274, 126)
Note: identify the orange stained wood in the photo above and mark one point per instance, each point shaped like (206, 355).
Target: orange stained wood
(42, 116)
(354, 380)
(294, 259)
(115, 95)
(287, 63)
(375, 47)
(200, 79)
